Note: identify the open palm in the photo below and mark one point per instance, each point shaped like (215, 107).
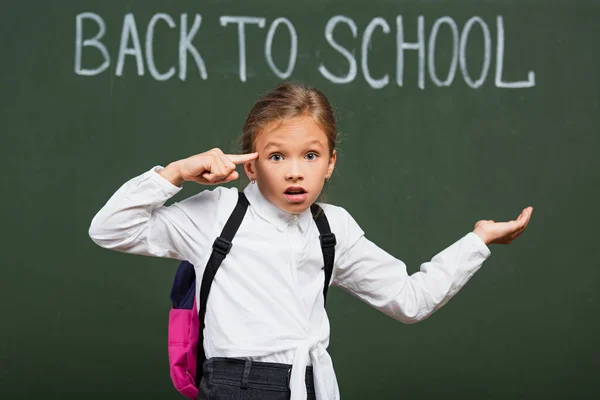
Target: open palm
(503, 232)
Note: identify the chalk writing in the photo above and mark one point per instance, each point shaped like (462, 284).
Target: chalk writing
(426, 44)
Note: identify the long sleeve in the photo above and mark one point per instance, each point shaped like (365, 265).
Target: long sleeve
(382, 281)
(135, 220)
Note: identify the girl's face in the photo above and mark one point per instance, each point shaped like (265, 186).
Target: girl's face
(293, 162)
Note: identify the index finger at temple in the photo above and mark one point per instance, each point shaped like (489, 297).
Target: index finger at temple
(242, 158)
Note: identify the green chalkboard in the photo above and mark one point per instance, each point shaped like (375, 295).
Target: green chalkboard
(450, 112)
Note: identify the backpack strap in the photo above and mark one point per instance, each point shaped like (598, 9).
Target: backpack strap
(221, 247)
(328, 243)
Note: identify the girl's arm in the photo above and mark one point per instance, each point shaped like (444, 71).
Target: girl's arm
(382, 281)
(135, 220)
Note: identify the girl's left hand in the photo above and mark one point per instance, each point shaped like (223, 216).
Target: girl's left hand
(502, 232)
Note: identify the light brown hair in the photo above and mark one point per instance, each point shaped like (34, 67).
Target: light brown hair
(289, 100)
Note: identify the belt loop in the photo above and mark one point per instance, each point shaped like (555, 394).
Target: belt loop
(289, 374)
(247, 366)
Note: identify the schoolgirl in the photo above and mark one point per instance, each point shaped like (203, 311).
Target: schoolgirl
(266, 329)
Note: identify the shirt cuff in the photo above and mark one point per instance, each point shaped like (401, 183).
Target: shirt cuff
(479, 244)
(163, 182)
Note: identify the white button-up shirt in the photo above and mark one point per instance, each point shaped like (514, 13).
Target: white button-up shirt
(266, 302)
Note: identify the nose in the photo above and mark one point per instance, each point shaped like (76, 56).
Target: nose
(294, 172)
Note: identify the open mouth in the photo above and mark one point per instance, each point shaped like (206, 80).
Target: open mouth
(295, 194)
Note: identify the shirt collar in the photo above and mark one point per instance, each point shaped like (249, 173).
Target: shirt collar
(268, 211)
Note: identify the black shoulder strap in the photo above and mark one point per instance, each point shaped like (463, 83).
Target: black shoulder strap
(328, 243)
(221, 247)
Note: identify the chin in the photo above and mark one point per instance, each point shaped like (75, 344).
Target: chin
(295, 208)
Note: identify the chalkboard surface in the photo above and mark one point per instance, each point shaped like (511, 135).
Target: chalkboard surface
(450, 112)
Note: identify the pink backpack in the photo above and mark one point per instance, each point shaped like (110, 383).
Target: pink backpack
(186, 338)
(183, 347)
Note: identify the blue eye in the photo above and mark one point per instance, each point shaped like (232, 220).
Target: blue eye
(312, 156)
(275, 157)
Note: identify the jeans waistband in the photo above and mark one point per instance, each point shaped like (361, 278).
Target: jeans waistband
(257, 373)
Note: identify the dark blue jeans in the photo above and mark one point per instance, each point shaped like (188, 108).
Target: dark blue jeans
(236, 379)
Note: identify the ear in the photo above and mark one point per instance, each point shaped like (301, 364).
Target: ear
(332, 161)
(250, 170)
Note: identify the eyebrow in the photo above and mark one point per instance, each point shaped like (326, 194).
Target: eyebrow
(279, 144)
(272, 144)
(313, 142)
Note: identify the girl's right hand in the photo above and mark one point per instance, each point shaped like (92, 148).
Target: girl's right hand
(212, 167)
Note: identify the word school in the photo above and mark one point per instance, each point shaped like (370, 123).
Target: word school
(130, 45)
